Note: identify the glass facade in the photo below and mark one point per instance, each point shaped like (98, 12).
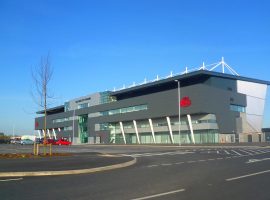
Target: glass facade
(161, 132)
(237, 108)
(105, 97)
(83, 105)
(67, 106)
(68, 128)
(124, 110)
(200, 136)
(59, 120)
(83, 119)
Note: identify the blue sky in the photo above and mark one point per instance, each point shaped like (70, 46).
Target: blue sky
(99, 45)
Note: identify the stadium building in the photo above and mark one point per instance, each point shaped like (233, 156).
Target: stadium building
(194, 107)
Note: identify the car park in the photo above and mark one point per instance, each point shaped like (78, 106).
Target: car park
(51, 141)
(63, 141)
(27, 141)
(48, 141)
(15, 141)
(39, 140)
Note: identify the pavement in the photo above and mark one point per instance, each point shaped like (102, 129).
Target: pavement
(63, 165)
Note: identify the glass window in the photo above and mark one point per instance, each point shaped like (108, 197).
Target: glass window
(68, 128)
(124, 110)
(237, 108)
(83, 105)
(67, 106)
(60, 120)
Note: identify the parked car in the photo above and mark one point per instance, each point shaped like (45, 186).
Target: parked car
(39, 140)
(15, 141)
(27, 141)
(48, 141)
(63, 141)
(51, 141)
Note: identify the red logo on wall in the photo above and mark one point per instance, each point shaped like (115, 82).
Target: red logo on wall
(185, 102)
(36, 124)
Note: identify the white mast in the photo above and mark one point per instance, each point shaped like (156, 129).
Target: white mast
(222, 64)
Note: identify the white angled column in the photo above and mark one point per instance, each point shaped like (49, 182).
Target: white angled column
(54, 134)
(136, 130)
(152, 130)
(39, 134)
(170, 128)
(48, 131)
(44, 134)
(191, 128)
(123, 133)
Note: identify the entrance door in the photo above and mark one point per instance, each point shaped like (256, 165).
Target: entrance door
(260, 138)
(249, 138)
(83, 128)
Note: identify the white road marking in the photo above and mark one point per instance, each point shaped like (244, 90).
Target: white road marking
(262, 151)
(257, 160)
(248, 175)
(152, 166)
(217, 152)
(237, 153)
(160, 194)
(226, 152)
(178, 163)
(236, 156)
(157, 154)
(13, 179)
(246, 152)
(201, 160)
(166, 164)
(255, 152)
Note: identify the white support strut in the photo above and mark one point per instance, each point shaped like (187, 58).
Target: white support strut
(170, 128)
(152, 130)
(39, 134)
(48, 131)
(191, 129)
(210, 67)
(123, 133)
(136, 130)
(54, 134)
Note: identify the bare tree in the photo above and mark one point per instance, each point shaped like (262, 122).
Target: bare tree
(42, 75)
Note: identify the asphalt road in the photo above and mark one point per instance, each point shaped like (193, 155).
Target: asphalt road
(160, 173)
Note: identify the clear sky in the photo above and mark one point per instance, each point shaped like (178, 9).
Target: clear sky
(99, 45)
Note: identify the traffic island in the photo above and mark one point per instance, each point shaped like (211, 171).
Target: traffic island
(63, 165)
(30, 155)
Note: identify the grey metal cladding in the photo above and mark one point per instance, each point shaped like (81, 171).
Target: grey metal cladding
(204, 98)
(207, 94)
(190, 77)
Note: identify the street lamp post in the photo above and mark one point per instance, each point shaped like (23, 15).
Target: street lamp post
(179, 112)
(73, 126)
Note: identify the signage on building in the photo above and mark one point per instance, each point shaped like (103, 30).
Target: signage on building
(36, 124)
(185, 102)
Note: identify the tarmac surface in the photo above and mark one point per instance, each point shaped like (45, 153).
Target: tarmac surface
(194, 172)
(82, 159)
(59, 163)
